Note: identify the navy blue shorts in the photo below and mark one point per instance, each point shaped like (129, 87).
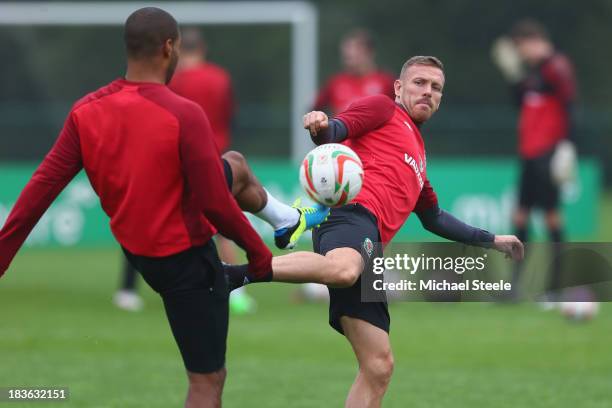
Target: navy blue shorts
(353, 226)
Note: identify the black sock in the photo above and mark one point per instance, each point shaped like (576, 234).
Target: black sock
(266, 278)
(129, 276)
(238, 276)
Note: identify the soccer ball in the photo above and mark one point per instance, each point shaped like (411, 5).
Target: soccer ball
(331, 174)
(579, 311)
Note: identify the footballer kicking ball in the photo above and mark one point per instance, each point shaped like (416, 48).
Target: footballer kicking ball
(331, 174)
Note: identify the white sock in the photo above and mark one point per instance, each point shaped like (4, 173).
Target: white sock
(278, 215)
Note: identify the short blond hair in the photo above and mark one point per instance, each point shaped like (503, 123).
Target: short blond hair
(421, 60)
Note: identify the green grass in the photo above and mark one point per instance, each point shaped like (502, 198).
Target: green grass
(59, 328)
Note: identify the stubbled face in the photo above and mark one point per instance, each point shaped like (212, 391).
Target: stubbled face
(419, 91)
(355, 55)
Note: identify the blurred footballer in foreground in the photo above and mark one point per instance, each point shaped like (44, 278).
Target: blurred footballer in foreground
(151, 158)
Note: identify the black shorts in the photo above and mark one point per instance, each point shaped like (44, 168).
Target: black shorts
(353, 226)
(229, 176)
(537, 189)
(195, 295)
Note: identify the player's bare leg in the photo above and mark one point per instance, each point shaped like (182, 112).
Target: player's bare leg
(288, 222)
(246, 189)
(340, 267)
(227, 250)
(205, 389)
(373, 351)
(553, 220)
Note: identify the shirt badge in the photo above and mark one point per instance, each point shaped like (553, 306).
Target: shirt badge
(368, 246)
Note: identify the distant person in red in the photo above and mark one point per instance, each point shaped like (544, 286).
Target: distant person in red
(544, 85)
(150, 156)
(360, 77)
(205, 83)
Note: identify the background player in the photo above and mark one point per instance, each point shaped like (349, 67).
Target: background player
(545, 92)
(150, 156)
(360, 77)
(384, 134)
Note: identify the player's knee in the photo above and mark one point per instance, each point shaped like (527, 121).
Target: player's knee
(379, 368)
(234, 158)
(342, 275)
(238, 164)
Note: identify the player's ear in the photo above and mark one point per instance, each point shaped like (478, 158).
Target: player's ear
(168, 47)
(397, 86)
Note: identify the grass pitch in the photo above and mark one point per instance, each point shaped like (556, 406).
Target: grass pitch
(59, 328)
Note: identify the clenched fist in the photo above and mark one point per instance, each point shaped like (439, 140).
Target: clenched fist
(315, 121)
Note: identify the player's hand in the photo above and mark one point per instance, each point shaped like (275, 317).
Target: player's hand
(315, 121)
(507, 59)
(509, 245)
(563, 163)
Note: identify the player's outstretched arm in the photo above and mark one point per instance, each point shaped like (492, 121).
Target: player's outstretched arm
(361, 117)
(57, 169)
(445, 225)
(323, 130)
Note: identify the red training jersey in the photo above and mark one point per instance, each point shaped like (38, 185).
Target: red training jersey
(209, 86)
(150, 156)
(343, 89)
(392, 152)
(546, 96)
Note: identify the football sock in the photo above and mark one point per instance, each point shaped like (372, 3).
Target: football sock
(278, 215)
(128, 281)
(238, 276)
